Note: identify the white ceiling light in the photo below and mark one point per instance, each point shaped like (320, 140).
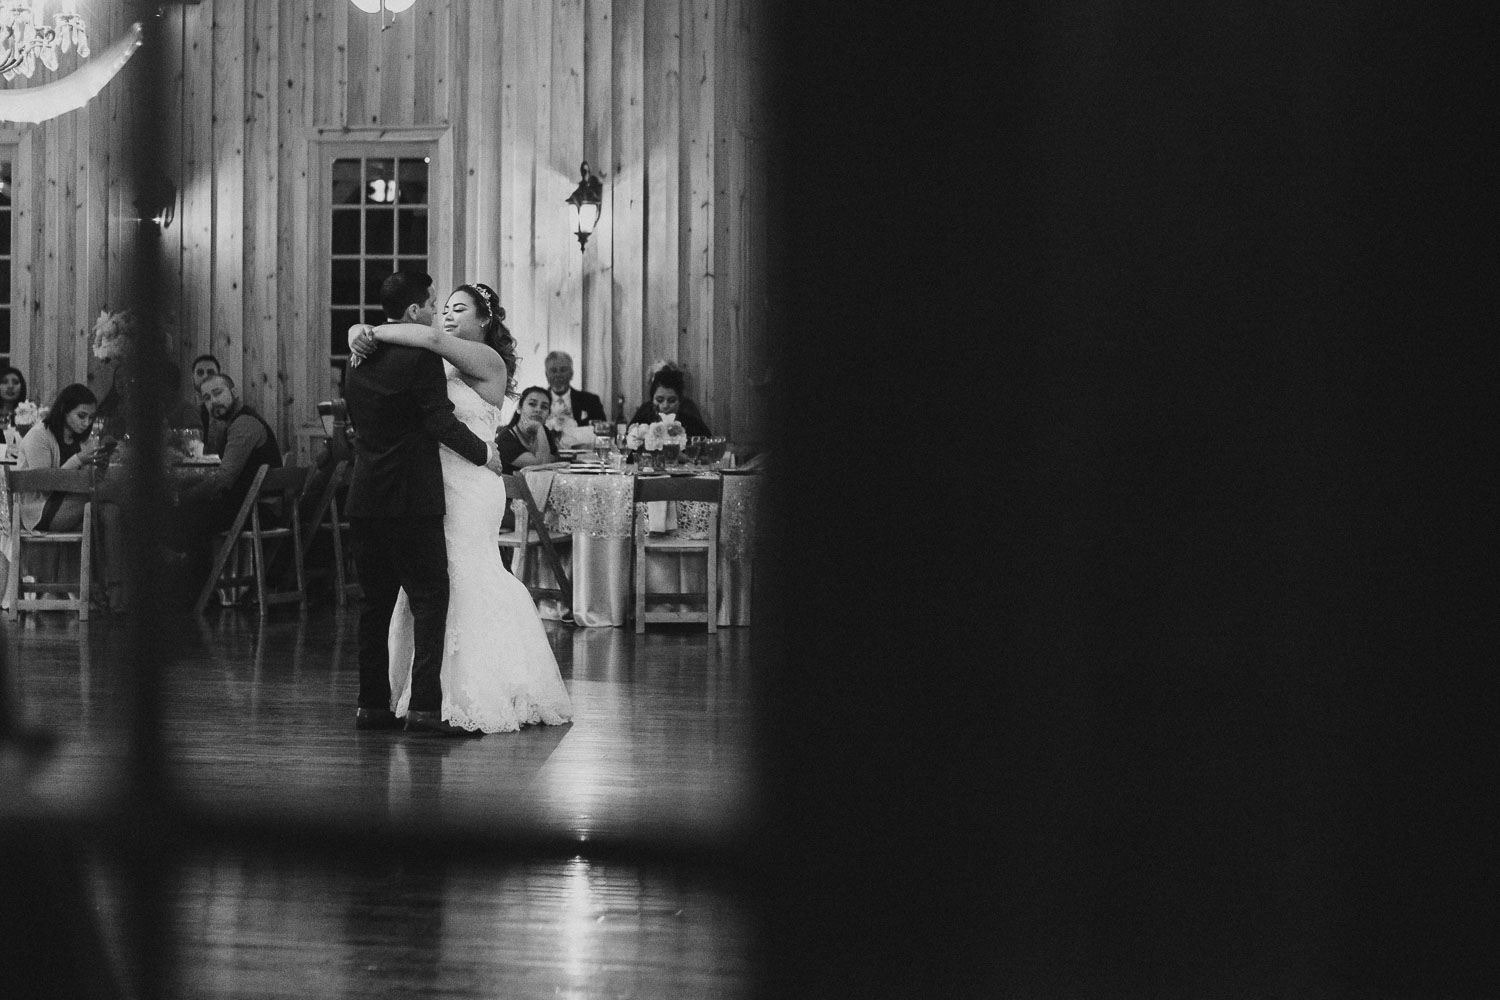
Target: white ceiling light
(38, 104)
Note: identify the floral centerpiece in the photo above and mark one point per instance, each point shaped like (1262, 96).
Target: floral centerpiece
(112, 334)
(661, 440)
(27, 413)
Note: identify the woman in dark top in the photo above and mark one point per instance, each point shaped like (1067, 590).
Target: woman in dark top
(527, 441)
(12, 392)
(667, 397)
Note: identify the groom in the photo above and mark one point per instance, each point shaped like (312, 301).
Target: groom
(398, 403)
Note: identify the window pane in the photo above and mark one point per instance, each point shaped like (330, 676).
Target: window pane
(379, 231)
(417, 264)
(412, 230)
(5, 332)
(5, 280)
(343, 319)
(345, 182)
(379, 175)
(345, 290)
(376, 271)
(413, 188)
(374, 317)
(346, 230)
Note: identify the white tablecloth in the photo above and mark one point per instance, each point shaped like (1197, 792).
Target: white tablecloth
(596, 511)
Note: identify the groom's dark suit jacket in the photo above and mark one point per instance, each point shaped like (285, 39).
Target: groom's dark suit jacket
(398, 403)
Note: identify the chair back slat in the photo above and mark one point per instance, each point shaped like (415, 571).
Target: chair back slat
(51, 480)
(649, 489)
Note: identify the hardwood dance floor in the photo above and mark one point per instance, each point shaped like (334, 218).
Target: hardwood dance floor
(259, 717)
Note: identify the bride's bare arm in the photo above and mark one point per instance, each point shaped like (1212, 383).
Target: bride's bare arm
(478, 361)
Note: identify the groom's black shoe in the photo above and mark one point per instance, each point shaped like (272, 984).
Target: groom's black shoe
(376, 718)
(432, 724)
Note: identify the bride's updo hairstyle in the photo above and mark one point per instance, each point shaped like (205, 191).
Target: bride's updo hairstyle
(495, 332)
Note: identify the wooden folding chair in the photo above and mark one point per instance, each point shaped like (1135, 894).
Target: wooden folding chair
(531, 533)
(648, 490)
(79, 481)
(270, 487)
(323, 516)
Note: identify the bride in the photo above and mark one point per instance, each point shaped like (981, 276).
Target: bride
(499, 673)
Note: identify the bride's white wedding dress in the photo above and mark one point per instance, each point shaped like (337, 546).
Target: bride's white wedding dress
(499, 673)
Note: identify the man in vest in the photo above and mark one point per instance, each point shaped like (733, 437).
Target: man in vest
(248, 444)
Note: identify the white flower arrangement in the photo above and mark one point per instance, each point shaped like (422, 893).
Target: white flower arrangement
(653, 437)
(561, 419)
(28, 413)
(112, 334)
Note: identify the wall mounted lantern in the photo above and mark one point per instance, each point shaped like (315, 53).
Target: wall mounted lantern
(586, 200)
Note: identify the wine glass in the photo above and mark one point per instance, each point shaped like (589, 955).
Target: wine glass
(694, 449)
(604, 433)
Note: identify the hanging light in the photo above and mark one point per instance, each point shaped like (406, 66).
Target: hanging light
(48, 100)
(26, 39)
(586, 200)
(376, 6)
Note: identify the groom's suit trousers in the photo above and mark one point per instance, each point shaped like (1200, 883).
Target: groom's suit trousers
(391, 554)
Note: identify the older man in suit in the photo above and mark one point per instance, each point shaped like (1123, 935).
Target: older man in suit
(568, 403)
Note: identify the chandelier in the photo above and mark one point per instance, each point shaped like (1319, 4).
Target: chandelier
(26, 39)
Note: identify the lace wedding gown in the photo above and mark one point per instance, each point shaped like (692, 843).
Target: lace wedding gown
(499, 673)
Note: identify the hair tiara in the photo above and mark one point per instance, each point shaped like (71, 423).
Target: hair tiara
(491, 300)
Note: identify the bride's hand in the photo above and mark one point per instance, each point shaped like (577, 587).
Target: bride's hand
(362, 342)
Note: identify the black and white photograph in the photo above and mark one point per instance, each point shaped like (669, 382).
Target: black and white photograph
(746, 499)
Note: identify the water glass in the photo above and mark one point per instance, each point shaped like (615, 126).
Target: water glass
(713, 451)
(192, 442)
(694, 449)
(604, 433)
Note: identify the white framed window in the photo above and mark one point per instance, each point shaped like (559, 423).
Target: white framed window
(373, 211)
(7, 250)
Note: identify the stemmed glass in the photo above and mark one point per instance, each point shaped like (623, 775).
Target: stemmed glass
(713, 451)
(603, 434)
(694, 449)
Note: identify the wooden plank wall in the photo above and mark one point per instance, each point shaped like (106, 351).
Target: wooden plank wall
(664, 98)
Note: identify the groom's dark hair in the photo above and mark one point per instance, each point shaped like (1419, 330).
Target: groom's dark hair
(402, 289)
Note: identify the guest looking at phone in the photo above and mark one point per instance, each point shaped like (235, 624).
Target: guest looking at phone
(61, 441)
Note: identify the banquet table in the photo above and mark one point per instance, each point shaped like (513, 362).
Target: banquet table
(597, 511)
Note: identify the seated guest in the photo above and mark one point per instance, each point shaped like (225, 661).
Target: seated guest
(569, 403)
(667, 396)
(12, 393)
(61, 441)
(209, 504)
(528, 441)
(178, 412)
(204, 365)
(114, 408)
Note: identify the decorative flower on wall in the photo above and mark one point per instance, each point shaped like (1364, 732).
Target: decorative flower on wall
(112, 334)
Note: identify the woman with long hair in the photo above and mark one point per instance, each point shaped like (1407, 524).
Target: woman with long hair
(527, 441)
(60, 441)
(12, 393)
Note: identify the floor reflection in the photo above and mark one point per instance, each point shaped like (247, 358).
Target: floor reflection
(406, 925)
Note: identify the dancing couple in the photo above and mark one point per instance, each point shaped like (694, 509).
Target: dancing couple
(449, 641)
